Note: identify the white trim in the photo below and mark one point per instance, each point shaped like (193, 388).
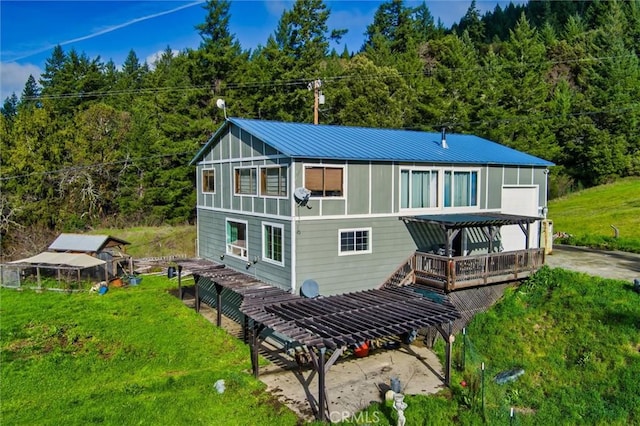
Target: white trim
(370, 187)
(282, 240)
(242, 159)
(233, 183)
(327, 166)
(355, 252)
(440, 201)
(272, 166)
(454, 170)
(293, 227)
(202, 170)
(246, 241)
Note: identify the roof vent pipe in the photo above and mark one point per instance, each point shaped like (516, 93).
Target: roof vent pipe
(444, 138)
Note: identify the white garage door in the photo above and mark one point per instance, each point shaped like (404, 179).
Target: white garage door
(520, 200)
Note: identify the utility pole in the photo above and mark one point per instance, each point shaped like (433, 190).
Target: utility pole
(315, 86)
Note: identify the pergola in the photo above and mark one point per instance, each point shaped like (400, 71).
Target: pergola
(329, 325)
(489, 223)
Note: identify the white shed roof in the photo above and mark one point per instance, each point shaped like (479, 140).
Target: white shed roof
(84, 242)
(75, 260)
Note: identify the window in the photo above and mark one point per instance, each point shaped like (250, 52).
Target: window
(246, 181)
(418, 189)
(272, 243)
(355, 241)
(460, 189)
(273, 181)
(208, 180)
(237, 238)
(324, 181)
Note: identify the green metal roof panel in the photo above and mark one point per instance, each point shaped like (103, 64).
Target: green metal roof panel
(298, 140)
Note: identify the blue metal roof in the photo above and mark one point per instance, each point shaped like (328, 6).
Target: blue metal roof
(299, 140)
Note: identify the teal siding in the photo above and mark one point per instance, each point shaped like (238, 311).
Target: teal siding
(358, 191)
(212, 244)
(318, 259)
(382, 189)
(494, 182)
(525, 176)
(510, 176)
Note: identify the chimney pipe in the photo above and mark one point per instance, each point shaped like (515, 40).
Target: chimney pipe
(444, 138)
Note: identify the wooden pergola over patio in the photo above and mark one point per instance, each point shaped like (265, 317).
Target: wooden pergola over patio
(328, 326)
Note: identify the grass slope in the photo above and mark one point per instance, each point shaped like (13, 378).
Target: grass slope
(588, 215)
(135, 355)
(576, 337)
(155, 241)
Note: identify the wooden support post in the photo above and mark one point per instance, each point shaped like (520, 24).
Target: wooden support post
(197, 295)
(38, 276)
(254, 351)
(219, 289)
(321, 386)
(180, 290)
(447, 373)
(245, 328)
(448, 340)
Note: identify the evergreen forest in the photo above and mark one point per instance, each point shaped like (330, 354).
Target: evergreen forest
(92, 143)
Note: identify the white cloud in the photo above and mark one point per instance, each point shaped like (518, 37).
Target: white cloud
(13, 76)
(276, 7)
(151, 59)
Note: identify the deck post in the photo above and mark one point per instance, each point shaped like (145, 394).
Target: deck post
(218, 304)
(180, 290)
(197, 294)
(321, 385)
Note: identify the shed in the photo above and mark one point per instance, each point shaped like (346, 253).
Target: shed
(110, 249)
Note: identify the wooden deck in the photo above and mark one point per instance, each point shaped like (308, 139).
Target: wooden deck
(455, 273)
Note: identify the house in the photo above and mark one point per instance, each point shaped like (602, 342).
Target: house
(344, 209)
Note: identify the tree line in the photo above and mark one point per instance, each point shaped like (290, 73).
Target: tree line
(93, 143)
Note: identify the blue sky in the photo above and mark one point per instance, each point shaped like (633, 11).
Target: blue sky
(110, 29)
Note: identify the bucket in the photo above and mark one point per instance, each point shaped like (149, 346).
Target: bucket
(395, 384)
(362, 350)
(134, 280)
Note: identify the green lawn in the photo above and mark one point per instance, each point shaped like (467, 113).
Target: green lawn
(154, 241)
(588, 215)
(135, 355)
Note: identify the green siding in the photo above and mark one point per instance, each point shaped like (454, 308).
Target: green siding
(317, 254)
(382, 188)
(333, 207)
(494, 181)
(212, 244)
(358, 190)
(525, 176)
(540, 179)
(510, 176)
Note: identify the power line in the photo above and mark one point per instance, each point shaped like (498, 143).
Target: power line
(302, 82)
(447, 124)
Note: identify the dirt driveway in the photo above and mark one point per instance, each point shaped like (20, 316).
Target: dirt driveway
(607, 264)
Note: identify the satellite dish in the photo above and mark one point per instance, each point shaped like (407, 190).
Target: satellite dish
(220, 103)
(301, 196)
(309, 289)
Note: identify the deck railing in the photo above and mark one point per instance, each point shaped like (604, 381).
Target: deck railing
(453, 273)
(466, 271)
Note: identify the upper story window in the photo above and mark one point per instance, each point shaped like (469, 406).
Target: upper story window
(273, 181)
(324, 181)
(460, 188)
(354, 241)
(237, 238)
(246, 181)
(209, 180)
(418, 189)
